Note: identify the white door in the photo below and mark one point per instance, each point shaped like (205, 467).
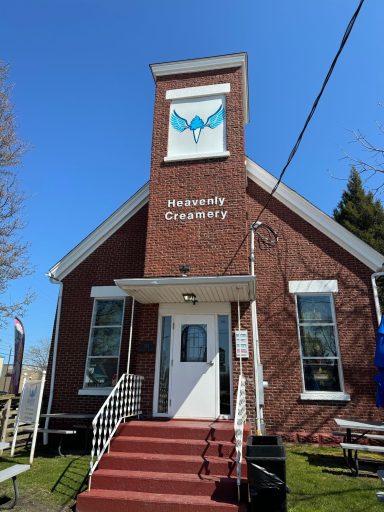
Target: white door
(194, 364)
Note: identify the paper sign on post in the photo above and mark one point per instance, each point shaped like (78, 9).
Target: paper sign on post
(242, 344)
(29, 401)
(29, 411)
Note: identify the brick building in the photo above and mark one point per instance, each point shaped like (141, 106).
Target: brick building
(163, 284)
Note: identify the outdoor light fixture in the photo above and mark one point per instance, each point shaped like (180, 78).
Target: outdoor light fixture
(184, 269)
(190, 297)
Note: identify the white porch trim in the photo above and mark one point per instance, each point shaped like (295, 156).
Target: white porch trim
(206, 289)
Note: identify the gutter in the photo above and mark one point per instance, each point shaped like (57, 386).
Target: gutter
(374, 276)
(54, 355)
(258, 369)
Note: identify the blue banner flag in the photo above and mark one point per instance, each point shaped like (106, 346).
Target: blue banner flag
(18, 357)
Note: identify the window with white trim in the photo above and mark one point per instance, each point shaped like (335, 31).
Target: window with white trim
(319, 347)
(104, 343)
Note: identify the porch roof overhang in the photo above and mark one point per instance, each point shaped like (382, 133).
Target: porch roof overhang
(207, 289)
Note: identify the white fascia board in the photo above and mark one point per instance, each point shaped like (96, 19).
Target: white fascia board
(107, 292)
(182, 281)
(197, 92)
(313, 286)
(208, 64)
(199, 156)
(307, 211)
(99, 235)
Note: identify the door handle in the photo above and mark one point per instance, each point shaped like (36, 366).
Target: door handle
(210, 363)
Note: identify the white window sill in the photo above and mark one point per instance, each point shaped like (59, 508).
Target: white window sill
(95, 391)
(200, 156)
(326, 395)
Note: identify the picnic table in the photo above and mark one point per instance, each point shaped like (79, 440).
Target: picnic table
(356, 431)
(12, 472)
(66, 416)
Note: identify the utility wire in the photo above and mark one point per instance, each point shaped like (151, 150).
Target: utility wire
(314, 106)
(297, 144)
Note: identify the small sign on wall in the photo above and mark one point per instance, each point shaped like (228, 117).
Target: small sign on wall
(197, 122)
(241, 338)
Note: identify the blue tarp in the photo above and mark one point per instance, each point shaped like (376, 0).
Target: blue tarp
(379, 363)
(379, 354)
(379, 379)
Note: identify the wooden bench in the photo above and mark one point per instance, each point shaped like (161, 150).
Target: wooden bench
(13, 472)
(359, 435)
(354, 463)
(61, 432)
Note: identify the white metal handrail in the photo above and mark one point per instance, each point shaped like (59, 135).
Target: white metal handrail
(123, 402)
(240, 419)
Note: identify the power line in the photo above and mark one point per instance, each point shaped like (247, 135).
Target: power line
(314, 106)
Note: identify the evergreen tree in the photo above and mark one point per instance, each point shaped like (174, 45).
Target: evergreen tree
(361, 213)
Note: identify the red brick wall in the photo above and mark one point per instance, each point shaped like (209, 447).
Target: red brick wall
(121, 256)
(144, 362)
(305, 253)
(196, 242)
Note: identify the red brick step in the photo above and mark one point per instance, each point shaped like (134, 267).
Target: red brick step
(167, 466)
(159, 462)
(181, 429)
(175, 483)
(173, 446)
(100, 500)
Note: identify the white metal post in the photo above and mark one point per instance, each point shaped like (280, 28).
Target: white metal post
(32, 453)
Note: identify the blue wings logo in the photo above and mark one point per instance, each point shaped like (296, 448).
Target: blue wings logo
(197, 124)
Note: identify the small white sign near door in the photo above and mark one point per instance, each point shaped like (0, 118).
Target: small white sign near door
(242, 349)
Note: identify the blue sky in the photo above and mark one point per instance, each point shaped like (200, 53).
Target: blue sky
(84, 97)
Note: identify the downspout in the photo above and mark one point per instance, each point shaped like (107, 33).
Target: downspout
(54, 355)
(376, 295)
(258, 369)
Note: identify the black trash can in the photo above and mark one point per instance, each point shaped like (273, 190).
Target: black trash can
(265, 457)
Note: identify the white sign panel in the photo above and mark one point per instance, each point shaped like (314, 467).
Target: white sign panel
(29, 411)
(242, 344)
(197, 127)
(29, 401)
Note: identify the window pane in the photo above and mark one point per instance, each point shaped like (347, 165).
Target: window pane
(105, 341)
(225, 389)
(313, 308)
(321, 375)
(318, 341)
(164, 364)
(101, 372)
(193, 343)
(109, 312)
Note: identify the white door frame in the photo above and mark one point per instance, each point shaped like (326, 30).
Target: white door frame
(172, 310)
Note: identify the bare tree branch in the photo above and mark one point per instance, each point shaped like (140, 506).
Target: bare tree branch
(371, 164)
(37, 356)
(14, 262)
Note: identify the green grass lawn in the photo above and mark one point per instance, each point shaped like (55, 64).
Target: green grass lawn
(52, 483)
(320, 482)
(317, 476)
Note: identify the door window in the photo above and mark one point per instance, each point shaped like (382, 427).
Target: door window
(162, 404)
(224, 362)
(193, 343)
